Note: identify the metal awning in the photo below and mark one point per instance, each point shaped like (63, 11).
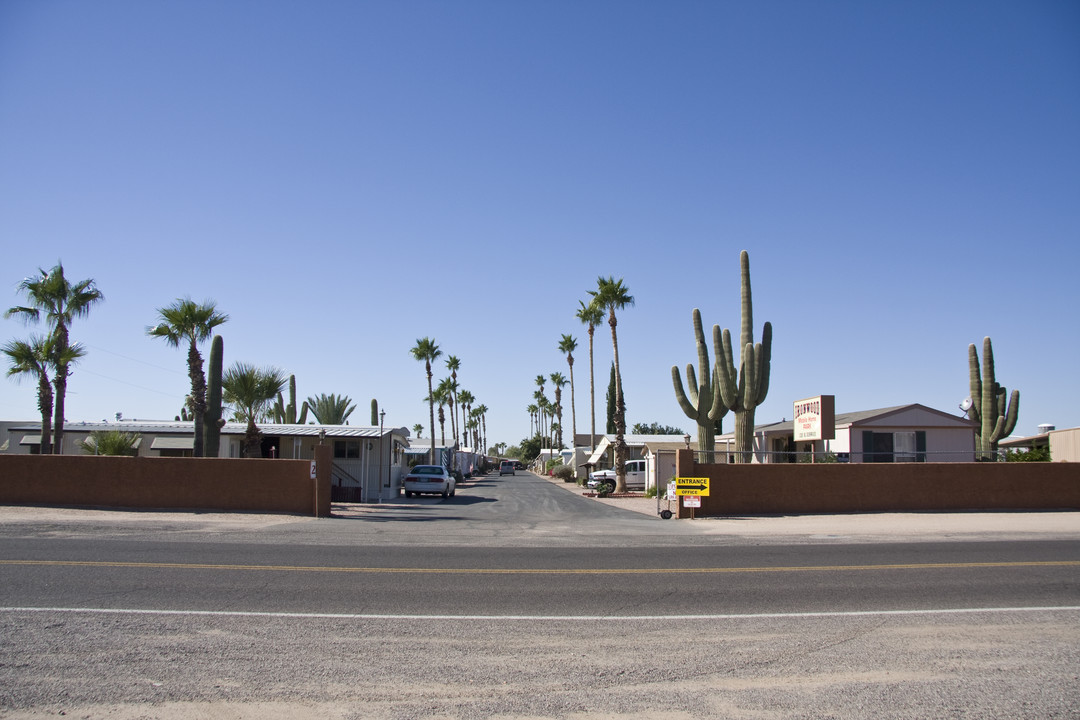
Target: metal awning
(30, 440)
(173, 443)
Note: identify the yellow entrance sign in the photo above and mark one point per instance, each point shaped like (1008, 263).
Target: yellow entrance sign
(692, 486)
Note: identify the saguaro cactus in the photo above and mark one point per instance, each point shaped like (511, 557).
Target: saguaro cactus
(212, 417)
(286, 414)
(704, 404)
(993, 418)
(375, 412)
(743, 393)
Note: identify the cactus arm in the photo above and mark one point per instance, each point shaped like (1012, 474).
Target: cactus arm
(302, 420)
(974, 386)
(719, 409)
(764, 352)
(1012, 413)
(692, 386)
(680, 394)
(725, 368)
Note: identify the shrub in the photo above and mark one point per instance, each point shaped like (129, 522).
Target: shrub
(650, 492)
(565, 473)
(110, 442)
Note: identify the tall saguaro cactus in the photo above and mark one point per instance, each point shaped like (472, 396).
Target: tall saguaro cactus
(212, 417)
(742, 393)
(703, 404)
(994, 419)
(286, 414)
(375, 412)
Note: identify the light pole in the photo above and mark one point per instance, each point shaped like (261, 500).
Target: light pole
(382, 416)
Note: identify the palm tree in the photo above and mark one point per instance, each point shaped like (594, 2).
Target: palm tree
(111, 442)
(427, 352)
(453, 364)
(558, 382)
(34, 359)
(251, 389)
(418, 429)
(61, 302)
(482, 410)
(591, 316)
(568, 345)
(612, 295)
(440, 402)
(533, 410)
(187, 322)
(465, 401)
(330, 409)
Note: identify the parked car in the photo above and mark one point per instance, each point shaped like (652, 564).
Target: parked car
(518, 465)
(635, 477)
(431, 479)
(506, 467)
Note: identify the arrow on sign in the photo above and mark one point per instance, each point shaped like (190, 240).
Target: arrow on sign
(701, 486)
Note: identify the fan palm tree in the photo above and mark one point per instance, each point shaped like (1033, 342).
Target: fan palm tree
(251, 389)
(453, 364)
(611, 295)
(418, 429)
(187, 322)
(111, 442)
(532, 409)
(482, 410)
(568, 345)
(465, 401)
(330, 409)
(440, 402)
(34, 359)
(426, 351)
(558, 382)
(61, 301)
(591, 316)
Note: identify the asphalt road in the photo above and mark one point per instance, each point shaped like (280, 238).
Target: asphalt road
(518, 599)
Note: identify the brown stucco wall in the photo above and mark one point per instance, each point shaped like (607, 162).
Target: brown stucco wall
(150, 482)
(765, 489)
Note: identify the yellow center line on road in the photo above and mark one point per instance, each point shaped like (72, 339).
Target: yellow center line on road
(544, 571)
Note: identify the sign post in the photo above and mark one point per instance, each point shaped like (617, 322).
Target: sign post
(691, 489)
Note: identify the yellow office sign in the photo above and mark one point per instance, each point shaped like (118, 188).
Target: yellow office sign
(692, 486)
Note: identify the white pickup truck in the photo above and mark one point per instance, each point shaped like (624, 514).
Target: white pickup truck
(635, 476)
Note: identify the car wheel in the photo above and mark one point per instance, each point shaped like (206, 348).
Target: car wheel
(445, 493)
(609, 487)
(453, 492)
(408, 494)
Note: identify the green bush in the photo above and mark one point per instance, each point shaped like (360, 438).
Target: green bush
(650, 492)
(110, 442)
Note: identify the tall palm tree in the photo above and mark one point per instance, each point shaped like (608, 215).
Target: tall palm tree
(61, 302)
(251, 389)
(331, 409)
(532, 409)
(612, 295)
(465, 401)
(440, 402)
(418, 429)
(453, 364)
(186, 322)
(568, 345)
(558, 382)
(482, 409)
(591, 316)
(34, 359)
(426, 351)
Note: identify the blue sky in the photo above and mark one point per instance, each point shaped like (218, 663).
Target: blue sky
(346, 177)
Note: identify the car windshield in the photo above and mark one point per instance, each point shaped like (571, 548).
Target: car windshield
(427, 470)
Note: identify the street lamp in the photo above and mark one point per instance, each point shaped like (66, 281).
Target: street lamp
(382, 415)
(686, 439)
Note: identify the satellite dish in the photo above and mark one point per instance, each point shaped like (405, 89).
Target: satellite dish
(965, 405)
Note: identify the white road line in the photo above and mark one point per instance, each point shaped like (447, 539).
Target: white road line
(545, 618)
